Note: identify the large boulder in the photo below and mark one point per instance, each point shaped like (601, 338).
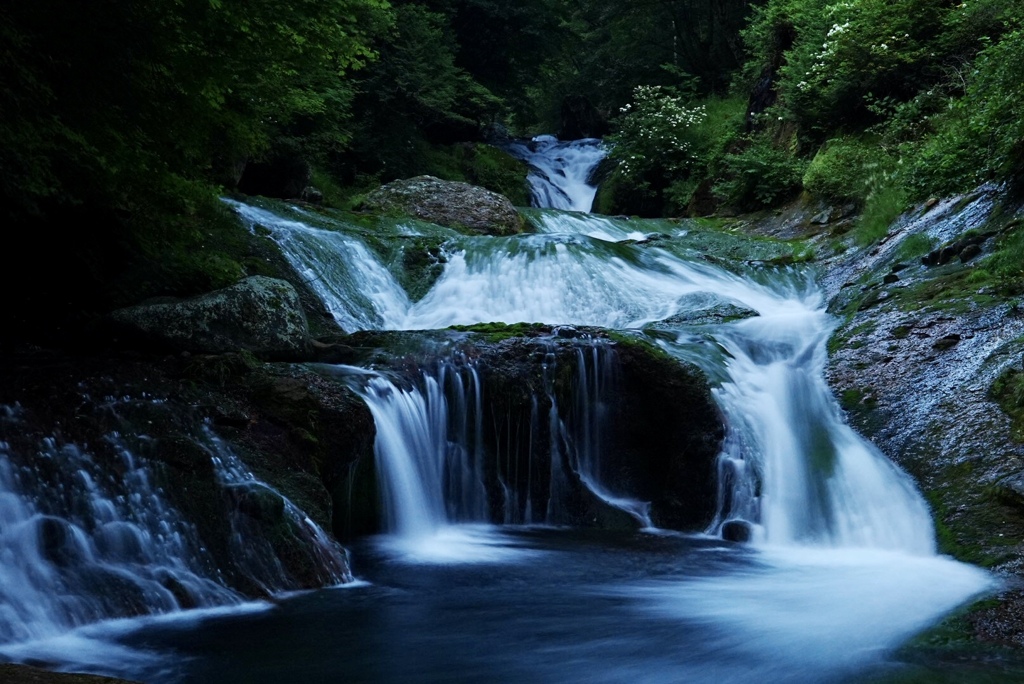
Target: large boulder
(258, 314)
(447, 203)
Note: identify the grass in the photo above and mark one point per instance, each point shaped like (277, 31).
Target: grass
(883, 206)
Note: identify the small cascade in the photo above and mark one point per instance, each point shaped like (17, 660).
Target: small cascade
(560, 171)
(356, 289)
(89, 534)
(257, 503)
(81, 543)
(428, 449)
(541, 461)
(596, 379)
(841, 492)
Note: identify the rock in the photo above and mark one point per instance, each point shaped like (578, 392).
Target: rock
(823, 218)
(258, 314)
(969, 252)
(23, 674)
(704, 308)
(447, 203)
(659, 428)
(946, 342)
(311, 195)
(737, 531)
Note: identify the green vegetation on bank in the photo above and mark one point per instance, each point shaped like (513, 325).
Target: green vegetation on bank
(119, 129)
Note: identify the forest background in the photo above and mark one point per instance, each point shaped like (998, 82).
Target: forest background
(122, 122)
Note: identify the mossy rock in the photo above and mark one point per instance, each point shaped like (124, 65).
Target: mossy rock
(447, 203)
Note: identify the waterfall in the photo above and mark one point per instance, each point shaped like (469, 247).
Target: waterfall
(80, 544)
(560, 171)
(90, 534)
(356, 289)
(791, 466)
(429, 458)
(791, 463)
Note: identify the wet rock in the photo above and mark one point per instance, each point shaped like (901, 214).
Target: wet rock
(969, 252)
(447, 203)
(703, 308)
(23, 674)
(737, 531)
(823, 218)
(258, 314)
(659, 429)
(946, 342)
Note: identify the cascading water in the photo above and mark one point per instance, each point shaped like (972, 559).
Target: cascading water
(86, 538)
(560, 171)
(355, 288)
(843, 567)
(427, 455)
(793, 467)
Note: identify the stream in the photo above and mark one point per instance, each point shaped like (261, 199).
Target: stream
(840, 571)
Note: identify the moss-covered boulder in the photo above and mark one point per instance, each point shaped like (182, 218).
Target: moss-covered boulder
(258, 314)
(447, 203)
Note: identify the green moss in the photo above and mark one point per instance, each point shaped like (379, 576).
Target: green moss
(914, 246)
(496, 332)
(1008, 392)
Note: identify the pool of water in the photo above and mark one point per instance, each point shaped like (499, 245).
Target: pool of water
(480, 604)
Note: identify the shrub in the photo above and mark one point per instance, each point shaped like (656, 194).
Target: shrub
(885, 201)
(842, 169)
(759, 176)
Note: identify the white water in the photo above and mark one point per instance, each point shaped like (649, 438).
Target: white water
(78, 545)
(88, 535)
(560, 170)
(845, 543)
(356, 289)
(802, 475)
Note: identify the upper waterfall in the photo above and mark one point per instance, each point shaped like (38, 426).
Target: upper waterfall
(560, 171)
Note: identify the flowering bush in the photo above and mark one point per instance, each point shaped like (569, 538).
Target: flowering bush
(656, 134)
(846, 54)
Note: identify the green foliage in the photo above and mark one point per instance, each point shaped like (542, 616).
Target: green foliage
(885, 201)
(846, 169)
(759, 176)
(844, 55)
(414, 98)
(1007, 262)
(610, 46)
(915, 246)
(167, 88)
(664, 148)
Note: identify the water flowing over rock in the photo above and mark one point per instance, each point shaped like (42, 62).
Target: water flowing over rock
(448, 203)
(119, 499)
(560, 171)
(563, 426)
(919, 364)
(259, 314)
